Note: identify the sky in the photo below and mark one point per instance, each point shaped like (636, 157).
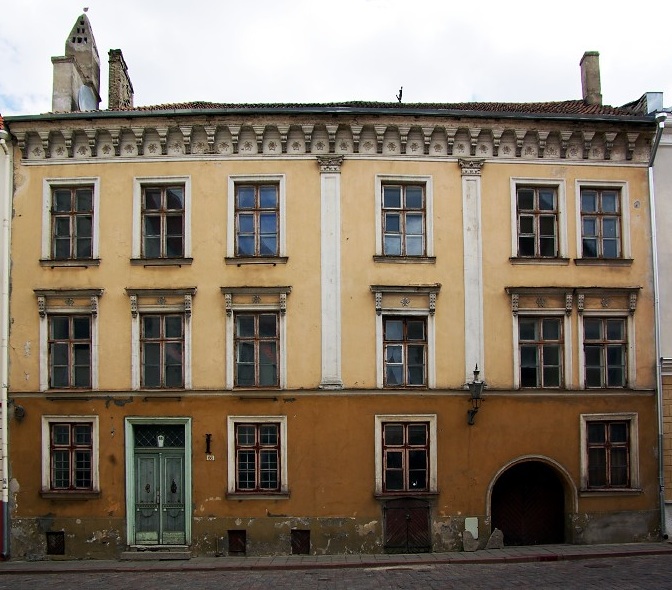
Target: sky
(299, 51)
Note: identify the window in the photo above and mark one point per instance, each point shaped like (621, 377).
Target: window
(162, 219)
(70, 222)
(601, 223)
(609, 452)
(257, 457)
(537, 214)
(406, 454)
(161, 338)
(257, 463)
(605, 351)
(68, 338)
(69, 351)
(162, 350)
(404, 218)
(256, 223)
(405, 457)
(256, 336)
(257, 349)
(257, 220)
(69, 455)
(405, 350)
(540, 340)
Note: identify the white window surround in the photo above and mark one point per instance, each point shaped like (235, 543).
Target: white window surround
(622, 187)
(426, 181)
(140, 305)
(48, 184)
(54, 302)
(406, 418)
(234, 179)
(630, 417)
(566, 346)
(277, 306)
(401, 311)
(138, 183)
(47, 420)
(559, 185)
(281, 421)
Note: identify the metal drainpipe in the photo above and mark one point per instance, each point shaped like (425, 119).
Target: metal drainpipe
(660, 119)
(4, 336)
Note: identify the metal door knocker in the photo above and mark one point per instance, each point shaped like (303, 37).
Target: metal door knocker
(173, 487)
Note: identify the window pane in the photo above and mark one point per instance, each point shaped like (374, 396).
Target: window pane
(526, 224)
(268, 197)
(526, 246)
(615, 329)
(62, 200)
(392, 197)
(593, 356)
(546, 225)
(527, 329)
(151, 326)
(392, 245)
(394, 434)
(244, 375)
(394, 374)
(245, 352)
(268, 375)
(551, 355)
(152, 247)
(152, 200)
(83, 225)
(246, 434)
(394, 330)
(173, 326)
(416, 355)
(246, 245)
(84, 248)
(268, 434)
(551, 377)
(60, 328)
(415, 329)
(610, 227)
(60, 434)
(618, 432)
(82, 434)
(551, 329)
(414, 197)
(416, 375)
(268, 223)
(59, 354)
(392, 222)
(619, 467)
(393, 354)
(175, 198)
(417, 434)
(268, 245)
(589, 248)
(152, 225)
(597, 467)
(174, 376)
(267, 325)
(609, 202)
(414, 224)
(525, 199)
(245, 326)
(546, 200)
(528, 376)
(592, 329)
(84, 199)
(246, 197)
(62, 227)
(246, 223)
(81, 328)
(588, 201)
(394, 480)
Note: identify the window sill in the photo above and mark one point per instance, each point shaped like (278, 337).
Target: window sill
(603, 261)
(404, 494)
(70, 263)
(539, 260)
(270, 260)
(257, 496)
(405, 259)
(587, 493)
(161, 261)
(69, 495)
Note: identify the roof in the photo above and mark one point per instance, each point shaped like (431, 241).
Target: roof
(567, 107)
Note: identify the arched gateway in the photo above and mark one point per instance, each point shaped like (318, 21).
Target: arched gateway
(528, 504)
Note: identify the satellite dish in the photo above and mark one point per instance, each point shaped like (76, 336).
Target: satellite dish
(87, 99)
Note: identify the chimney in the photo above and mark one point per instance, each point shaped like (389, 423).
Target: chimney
(590, 78)
(120, 94)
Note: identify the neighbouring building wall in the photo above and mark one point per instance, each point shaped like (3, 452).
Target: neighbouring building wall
(662, 172)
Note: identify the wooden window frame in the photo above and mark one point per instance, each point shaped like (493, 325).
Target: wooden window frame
(163, 213)
(257, 212)
(73, 215)
(257, 448)
(604, 342)
(599, 215)
(162, 340)
(404, 449)
(536, 213)
(403, 211)
(70, 342)
(539, 342)
(71, 449)
(405, 343)
(257, 340)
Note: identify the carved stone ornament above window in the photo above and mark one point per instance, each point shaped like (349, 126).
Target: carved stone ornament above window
(405, 297)
(255, 297)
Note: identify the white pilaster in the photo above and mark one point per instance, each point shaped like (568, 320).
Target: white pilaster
(473, 268)
(330, 265)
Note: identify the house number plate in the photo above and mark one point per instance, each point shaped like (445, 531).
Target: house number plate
(209, 457)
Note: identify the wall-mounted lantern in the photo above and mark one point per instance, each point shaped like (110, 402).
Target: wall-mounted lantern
(475, 391)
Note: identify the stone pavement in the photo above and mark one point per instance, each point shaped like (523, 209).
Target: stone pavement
(539, 553)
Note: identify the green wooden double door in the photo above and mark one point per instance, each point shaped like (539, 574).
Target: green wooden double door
(160, 497)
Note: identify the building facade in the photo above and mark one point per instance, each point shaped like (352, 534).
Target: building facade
(254, 329)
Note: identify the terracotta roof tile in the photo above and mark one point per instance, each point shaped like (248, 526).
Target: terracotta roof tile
(567, 107)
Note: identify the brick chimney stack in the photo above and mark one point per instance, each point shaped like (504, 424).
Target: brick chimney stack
(120, 93)
(590, 78)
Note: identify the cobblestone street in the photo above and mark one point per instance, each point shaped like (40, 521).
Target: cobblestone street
(645, 572)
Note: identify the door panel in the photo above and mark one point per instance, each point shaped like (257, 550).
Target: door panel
(407, 526)
(147, 499)
(172, 498)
